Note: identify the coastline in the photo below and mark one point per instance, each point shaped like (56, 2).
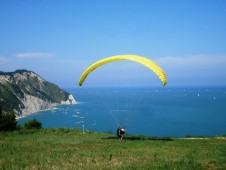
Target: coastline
(20, 117)
(33, 104)
(42, 110)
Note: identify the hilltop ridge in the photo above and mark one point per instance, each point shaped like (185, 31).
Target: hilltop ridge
(24, 92)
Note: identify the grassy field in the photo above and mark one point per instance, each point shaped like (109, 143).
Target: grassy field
(70, 149)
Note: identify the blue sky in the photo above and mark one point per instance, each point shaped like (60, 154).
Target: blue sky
(58, 39)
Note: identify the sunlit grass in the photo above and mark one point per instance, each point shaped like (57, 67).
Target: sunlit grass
(71, 149)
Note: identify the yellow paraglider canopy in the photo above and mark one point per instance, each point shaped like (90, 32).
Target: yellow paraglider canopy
(142, 60)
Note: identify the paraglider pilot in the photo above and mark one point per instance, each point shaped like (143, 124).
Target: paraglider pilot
(120, 133)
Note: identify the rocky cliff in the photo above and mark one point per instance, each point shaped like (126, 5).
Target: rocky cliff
(24, 92)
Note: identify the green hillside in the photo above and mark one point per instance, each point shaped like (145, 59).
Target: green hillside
(71, 149)
(15, 85)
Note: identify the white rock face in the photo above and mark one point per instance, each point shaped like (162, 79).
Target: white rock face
(34, 104)
(4, 79)
(70, 100)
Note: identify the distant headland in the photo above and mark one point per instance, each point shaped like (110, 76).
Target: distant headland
(24, 92)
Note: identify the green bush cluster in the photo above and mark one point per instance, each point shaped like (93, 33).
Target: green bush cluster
(33, 124)
(8, 122)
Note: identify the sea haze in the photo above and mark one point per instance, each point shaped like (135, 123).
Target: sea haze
(162, 111)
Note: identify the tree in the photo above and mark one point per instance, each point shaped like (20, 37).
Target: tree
(0, 111)
(8, 122)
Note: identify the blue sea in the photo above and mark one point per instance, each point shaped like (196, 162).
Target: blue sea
(165, 111)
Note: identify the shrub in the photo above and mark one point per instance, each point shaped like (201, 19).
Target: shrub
(33, 124)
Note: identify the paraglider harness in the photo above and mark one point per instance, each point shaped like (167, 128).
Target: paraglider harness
(120, 132)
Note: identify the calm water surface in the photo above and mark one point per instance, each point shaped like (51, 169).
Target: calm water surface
(146, 111)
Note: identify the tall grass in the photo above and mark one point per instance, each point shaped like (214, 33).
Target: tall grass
(71, 149)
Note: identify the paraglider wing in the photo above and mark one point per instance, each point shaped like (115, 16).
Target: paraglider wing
(142, 60)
